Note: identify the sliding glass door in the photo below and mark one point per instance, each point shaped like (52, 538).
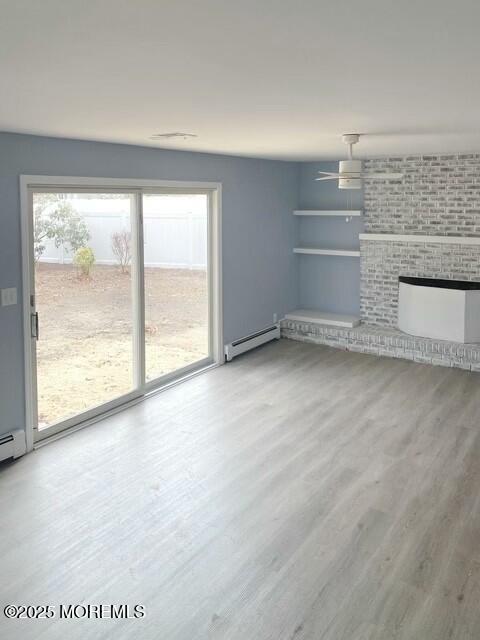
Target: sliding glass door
(120, 296)
(84, 300)
(175, 228)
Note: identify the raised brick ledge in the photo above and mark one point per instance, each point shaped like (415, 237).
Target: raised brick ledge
(386, 341)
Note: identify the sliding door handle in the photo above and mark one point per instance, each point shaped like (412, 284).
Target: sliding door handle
(34, 325)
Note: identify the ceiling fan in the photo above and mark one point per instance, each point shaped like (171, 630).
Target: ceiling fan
(350, 174)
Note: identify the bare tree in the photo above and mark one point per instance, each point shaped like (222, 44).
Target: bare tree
(121, 243)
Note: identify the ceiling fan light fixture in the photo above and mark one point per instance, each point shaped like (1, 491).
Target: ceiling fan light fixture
(350, 173)
(352, 170)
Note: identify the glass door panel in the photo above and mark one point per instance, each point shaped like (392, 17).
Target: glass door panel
(175, 231)
(84, 297)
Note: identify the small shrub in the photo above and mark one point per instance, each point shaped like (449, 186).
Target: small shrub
(84, 259)
(121, 241)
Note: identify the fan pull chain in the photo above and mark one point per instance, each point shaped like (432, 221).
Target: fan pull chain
(349, 207)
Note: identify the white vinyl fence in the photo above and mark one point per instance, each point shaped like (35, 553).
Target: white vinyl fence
(175, 238)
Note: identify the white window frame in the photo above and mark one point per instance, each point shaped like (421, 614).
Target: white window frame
(138, 187)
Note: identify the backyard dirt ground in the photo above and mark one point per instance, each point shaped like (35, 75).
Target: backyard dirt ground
(84, 355)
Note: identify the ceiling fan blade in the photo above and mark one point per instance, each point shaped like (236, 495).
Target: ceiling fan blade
(328, 173)
(382, 176)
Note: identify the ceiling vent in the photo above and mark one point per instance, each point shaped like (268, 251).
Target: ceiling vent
(173, 135)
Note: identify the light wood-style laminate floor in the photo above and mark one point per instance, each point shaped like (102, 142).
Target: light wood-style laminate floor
(298, 493)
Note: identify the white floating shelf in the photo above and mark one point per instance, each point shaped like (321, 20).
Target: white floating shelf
(326, 252)
(314, 212)
(323, 317)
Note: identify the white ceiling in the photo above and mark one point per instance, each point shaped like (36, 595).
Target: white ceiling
(269, 78)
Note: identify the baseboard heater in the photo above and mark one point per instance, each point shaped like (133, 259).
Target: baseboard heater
(12, 445)
(250, 342)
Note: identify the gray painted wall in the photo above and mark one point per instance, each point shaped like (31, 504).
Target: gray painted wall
(325, 282)
(259, 269)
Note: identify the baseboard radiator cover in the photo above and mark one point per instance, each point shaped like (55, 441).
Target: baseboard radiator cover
(256, 339)
(12, 445)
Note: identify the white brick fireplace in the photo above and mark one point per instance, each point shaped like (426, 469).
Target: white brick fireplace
(385, 257)
(425, 225)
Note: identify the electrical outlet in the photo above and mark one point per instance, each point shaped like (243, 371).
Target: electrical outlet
(275, 318)
(8, 296)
